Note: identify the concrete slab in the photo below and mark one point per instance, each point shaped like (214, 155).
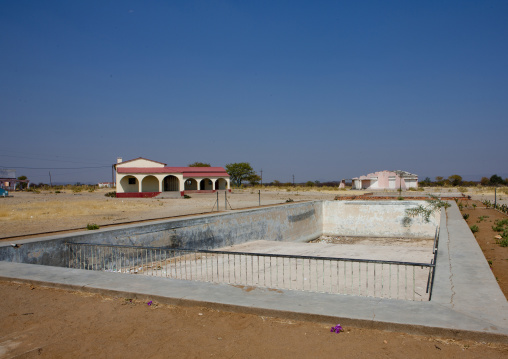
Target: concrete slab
(359, 251)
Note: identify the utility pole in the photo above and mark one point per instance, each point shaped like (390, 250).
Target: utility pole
(50, 183)
(495, 197)
(261, 171)
(293, 180)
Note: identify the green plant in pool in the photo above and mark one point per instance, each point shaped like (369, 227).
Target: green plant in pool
(433, 204)
(92, 226)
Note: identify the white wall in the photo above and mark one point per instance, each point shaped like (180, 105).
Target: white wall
(140, 163)
(376, 219)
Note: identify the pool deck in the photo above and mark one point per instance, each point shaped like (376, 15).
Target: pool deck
(466, 301)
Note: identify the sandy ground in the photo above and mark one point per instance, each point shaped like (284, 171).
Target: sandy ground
(54, 323)
(496, 255)
(28, 213)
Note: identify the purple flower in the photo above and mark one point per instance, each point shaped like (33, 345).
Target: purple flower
(149, 303)
(337, 329)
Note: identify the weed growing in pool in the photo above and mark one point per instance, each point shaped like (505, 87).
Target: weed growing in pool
(433, 204)
(465, 216)
(92, 226)
(474, 228)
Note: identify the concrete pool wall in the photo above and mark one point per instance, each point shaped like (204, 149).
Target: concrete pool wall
(376, 219)
(294, 222)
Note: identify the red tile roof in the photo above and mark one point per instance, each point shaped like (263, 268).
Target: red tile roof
(186, 171)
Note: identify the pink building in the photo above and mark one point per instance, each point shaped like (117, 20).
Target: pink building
(386, 180)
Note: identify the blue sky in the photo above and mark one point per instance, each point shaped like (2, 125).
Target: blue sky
(323, 90)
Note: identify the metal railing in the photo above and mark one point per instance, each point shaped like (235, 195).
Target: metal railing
(374, 278)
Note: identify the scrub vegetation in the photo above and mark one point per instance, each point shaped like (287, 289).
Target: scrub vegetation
(490, 228)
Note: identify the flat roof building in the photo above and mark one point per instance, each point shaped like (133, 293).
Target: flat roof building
(386, 180)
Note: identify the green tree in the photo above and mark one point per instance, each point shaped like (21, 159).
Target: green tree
(455, 180)
(239, 172)
(22, 185)
(309, 184)
(199, 164)
(495, 180)
(485, 181)
(439, 180)
(254, 179)
(276, 183)
(426, 182)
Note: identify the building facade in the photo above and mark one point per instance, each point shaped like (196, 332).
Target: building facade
(141, 177)
(386, 180)
(9, 181)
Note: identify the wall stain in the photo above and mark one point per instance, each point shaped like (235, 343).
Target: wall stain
(301, 216)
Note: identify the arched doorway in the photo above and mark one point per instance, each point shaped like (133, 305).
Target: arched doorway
(221, 183)
(150, 184)
(171, 183)
(129, 184)
(206, 184)
(191, 184)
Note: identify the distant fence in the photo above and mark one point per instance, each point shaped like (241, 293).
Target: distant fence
(374, 278)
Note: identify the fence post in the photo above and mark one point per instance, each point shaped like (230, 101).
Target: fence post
(217, 201)
(260, 197)
(495, 197)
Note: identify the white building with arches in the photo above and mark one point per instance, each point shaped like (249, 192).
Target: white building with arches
(141, 177)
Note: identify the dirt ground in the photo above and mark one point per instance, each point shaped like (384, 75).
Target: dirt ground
(496, 255)
(28, 213)
(55, 323)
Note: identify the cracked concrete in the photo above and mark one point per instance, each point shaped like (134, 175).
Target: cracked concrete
(450, 262)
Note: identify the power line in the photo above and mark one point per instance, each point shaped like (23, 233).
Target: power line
(53, 168)
(45, 159)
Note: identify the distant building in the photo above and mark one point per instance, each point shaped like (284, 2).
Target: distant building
(141, 177)
(386, 180)
(8, 179)
(106, 184)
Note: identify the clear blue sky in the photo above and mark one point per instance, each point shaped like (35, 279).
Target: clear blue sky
(323, 90)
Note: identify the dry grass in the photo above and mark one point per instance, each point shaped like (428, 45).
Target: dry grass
(325, 189)
(50, 209)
